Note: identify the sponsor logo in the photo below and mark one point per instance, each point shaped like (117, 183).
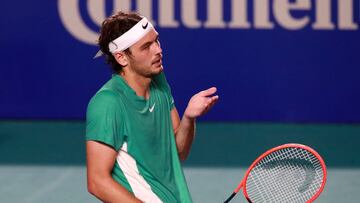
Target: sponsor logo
(244, 14)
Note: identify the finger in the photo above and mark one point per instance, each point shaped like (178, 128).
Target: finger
(210, 100)
(212, 104)
(215, 98)
(207, 103)
(213, 101)
(208, 92)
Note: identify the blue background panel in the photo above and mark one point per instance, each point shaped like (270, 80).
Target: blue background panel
(280, 75)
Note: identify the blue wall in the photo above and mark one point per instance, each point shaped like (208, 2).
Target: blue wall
(262, 74)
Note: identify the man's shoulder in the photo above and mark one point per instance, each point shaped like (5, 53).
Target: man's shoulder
(108, 92)
(104, 97)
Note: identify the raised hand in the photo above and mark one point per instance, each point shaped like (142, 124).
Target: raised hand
(201, 103)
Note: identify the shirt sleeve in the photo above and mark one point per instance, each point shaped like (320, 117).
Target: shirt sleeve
(164, 85)
(104, 120)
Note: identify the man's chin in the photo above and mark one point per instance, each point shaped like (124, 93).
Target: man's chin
(157, 71)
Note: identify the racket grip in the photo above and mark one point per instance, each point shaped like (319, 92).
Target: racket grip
(231, 196)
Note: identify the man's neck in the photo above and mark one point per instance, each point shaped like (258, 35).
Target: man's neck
(140, 84)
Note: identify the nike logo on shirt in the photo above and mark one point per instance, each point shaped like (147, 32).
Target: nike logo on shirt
(151, 109)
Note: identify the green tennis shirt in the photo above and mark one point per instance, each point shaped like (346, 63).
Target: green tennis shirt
(140, 130)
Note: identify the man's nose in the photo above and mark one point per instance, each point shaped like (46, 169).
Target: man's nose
(157, 48)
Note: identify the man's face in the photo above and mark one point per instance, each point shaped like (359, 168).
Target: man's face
(146, 57)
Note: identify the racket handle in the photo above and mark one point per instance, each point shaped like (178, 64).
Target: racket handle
(231, 196)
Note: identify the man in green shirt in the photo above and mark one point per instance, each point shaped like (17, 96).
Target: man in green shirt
(135, 138)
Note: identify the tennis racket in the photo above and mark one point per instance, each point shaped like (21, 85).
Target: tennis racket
(287, 173)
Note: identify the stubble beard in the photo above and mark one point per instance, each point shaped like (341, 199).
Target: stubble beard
(147, 72)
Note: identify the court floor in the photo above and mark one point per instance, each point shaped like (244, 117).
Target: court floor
(44, 161)
(40, 184)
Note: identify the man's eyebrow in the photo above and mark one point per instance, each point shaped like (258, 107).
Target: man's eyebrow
(149, 42)
(145, 44)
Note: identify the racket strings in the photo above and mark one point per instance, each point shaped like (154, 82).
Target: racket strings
(297, 174)
(281, 177)
(286, 175)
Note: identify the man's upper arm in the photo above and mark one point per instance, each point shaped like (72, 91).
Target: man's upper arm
(100, 158)
(100, 162)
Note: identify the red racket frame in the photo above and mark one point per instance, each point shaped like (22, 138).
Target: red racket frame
(293, 145)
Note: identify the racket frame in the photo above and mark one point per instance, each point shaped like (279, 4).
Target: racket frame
(290, 145)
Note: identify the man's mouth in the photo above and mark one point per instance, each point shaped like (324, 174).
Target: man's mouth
(157, 61)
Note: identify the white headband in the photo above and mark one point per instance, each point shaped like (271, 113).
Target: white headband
(130, 37)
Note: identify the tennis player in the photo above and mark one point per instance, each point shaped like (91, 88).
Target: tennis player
(135, 138)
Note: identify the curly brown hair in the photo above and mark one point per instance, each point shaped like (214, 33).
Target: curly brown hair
(113, 27)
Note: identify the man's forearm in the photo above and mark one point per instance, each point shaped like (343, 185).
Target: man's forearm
(185, 136)
(107, 190)
(198, 105)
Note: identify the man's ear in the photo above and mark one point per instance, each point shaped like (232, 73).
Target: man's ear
(121, 58)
